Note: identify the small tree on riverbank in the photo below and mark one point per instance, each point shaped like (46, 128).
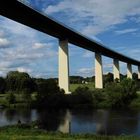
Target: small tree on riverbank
(11, 99)
(121, 94)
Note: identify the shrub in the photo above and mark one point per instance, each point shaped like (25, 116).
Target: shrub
(49, 94)
(82, 96)
(11, 99)
(121, 94)
(129, 87)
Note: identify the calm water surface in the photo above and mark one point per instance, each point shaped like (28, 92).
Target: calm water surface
(99, 121)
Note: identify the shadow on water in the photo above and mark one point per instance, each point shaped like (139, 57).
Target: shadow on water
(11, 116)
(100, 121)
(50, 119)
(106, 122)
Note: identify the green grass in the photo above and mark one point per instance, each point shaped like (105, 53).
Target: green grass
(16, 133)
(3, 99)
(20, 101)
(89, 85)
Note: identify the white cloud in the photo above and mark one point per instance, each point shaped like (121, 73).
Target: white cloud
(99, 15)
(4, 65)
(108, 65)
(22, 69)
(119, 32)
(29, 50)
(39, 45)
(16, 28)
(42, 45)
(85, 72)
(1, 33)
(4, 42)
(132, 52)
(88, 54)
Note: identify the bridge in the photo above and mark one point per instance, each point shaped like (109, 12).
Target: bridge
(17, 11)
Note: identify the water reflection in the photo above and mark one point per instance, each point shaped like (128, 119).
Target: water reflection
(99, 121)
(50, 119)
(65, 126)
(11, 116)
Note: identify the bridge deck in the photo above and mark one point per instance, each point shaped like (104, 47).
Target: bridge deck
(26, 15)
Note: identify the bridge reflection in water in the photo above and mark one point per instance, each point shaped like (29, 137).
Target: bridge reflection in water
(101, 122)
(77, 121)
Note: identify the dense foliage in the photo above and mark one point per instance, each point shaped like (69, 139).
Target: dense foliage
(21, 88)
(19, 82)
(121, 94)
(2, 85)
(48, 93)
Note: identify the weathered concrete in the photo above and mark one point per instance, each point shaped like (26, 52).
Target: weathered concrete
(64, 66)
(116, 69)
(98, 71)
(129, 70)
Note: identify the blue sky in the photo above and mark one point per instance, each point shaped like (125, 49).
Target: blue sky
(115, 23)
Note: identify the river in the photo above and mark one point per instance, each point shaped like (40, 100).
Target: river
(100, 121)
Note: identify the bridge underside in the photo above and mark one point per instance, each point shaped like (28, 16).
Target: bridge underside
(21, 13)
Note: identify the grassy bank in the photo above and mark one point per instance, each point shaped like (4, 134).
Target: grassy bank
(90, 85)
(18, 133)
(114, 95)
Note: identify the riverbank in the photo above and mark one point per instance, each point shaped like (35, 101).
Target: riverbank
(114, 95)
(27, 133)
(103, 104)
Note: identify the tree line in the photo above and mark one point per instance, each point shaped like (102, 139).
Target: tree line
(22, 82)
(48, 94)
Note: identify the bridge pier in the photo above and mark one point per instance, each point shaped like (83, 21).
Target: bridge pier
(116, 69)
(138, 72)
(129, 71)
(63, 69)
(98, 71)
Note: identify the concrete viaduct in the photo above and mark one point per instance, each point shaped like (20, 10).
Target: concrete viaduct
(26, 15)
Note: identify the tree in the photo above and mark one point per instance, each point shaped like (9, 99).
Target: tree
(129, 87)
(108, 78)
(2, 85)
(121, 94)
(18, 81)
(76, 79)
(11, 99)
(83, 96)
(48, 93)
(135, 76)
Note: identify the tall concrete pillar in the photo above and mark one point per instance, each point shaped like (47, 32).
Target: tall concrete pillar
(129, 71)
(116, 69)
(138, 72)
(98, 71)
(64, 66)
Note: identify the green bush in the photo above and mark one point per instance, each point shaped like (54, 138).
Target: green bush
(11, 99)
(2, 85)
(84, 95)
(121, 94)
(49, 94)
(129, 87)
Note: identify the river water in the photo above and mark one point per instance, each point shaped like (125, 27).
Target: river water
(100, 121)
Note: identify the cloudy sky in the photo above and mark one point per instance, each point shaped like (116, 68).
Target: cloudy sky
(115, 23)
